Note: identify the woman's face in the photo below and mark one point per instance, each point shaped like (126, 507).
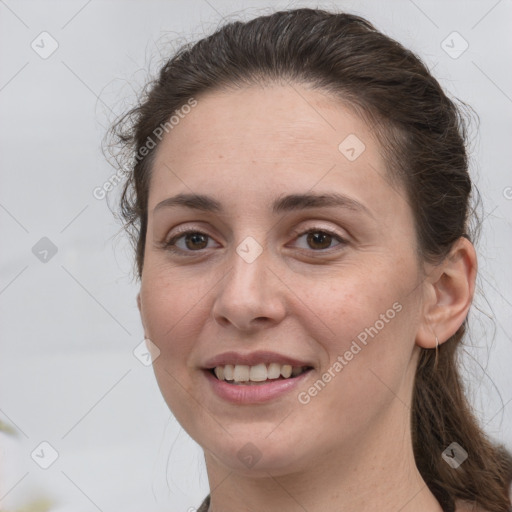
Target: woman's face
(270, 277)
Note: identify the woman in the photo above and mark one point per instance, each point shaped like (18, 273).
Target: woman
(299, 198)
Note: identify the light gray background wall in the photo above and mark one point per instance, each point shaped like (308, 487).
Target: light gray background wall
(68, 375)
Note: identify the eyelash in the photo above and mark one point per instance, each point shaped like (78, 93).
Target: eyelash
(171, 244)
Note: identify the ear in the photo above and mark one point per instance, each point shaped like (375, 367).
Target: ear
(139, 306)
(449, 290)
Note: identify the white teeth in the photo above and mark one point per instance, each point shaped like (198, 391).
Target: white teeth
(240, 373)
(258, 373)
(219, 372)
(228, 372)
(286, 370)
(274, 371)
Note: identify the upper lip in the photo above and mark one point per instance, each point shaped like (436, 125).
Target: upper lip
(252, 359)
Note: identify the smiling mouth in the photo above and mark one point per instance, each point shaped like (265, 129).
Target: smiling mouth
(241, 374)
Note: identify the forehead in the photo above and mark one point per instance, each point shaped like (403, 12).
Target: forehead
(269, 141)
(269, 122)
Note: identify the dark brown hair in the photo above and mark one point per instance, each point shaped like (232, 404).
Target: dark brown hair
(423, 135)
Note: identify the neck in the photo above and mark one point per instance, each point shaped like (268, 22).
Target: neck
(380, 474)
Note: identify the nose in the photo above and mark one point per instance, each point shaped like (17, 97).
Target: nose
(250, 297)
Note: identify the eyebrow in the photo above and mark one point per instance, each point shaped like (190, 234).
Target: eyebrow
(282, 204)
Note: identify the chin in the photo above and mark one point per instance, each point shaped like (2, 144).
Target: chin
(257, 456)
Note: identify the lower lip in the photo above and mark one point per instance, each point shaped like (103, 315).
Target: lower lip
(255, 393)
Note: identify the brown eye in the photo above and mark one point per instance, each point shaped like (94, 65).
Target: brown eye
(319, 240)
(194, 241)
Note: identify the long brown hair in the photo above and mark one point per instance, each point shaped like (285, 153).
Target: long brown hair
(423, 135)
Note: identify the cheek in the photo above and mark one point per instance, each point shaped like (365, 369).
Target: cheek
(169, 313)
(372, 323)
(360, 298)
(367, 371)
(170, 309)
